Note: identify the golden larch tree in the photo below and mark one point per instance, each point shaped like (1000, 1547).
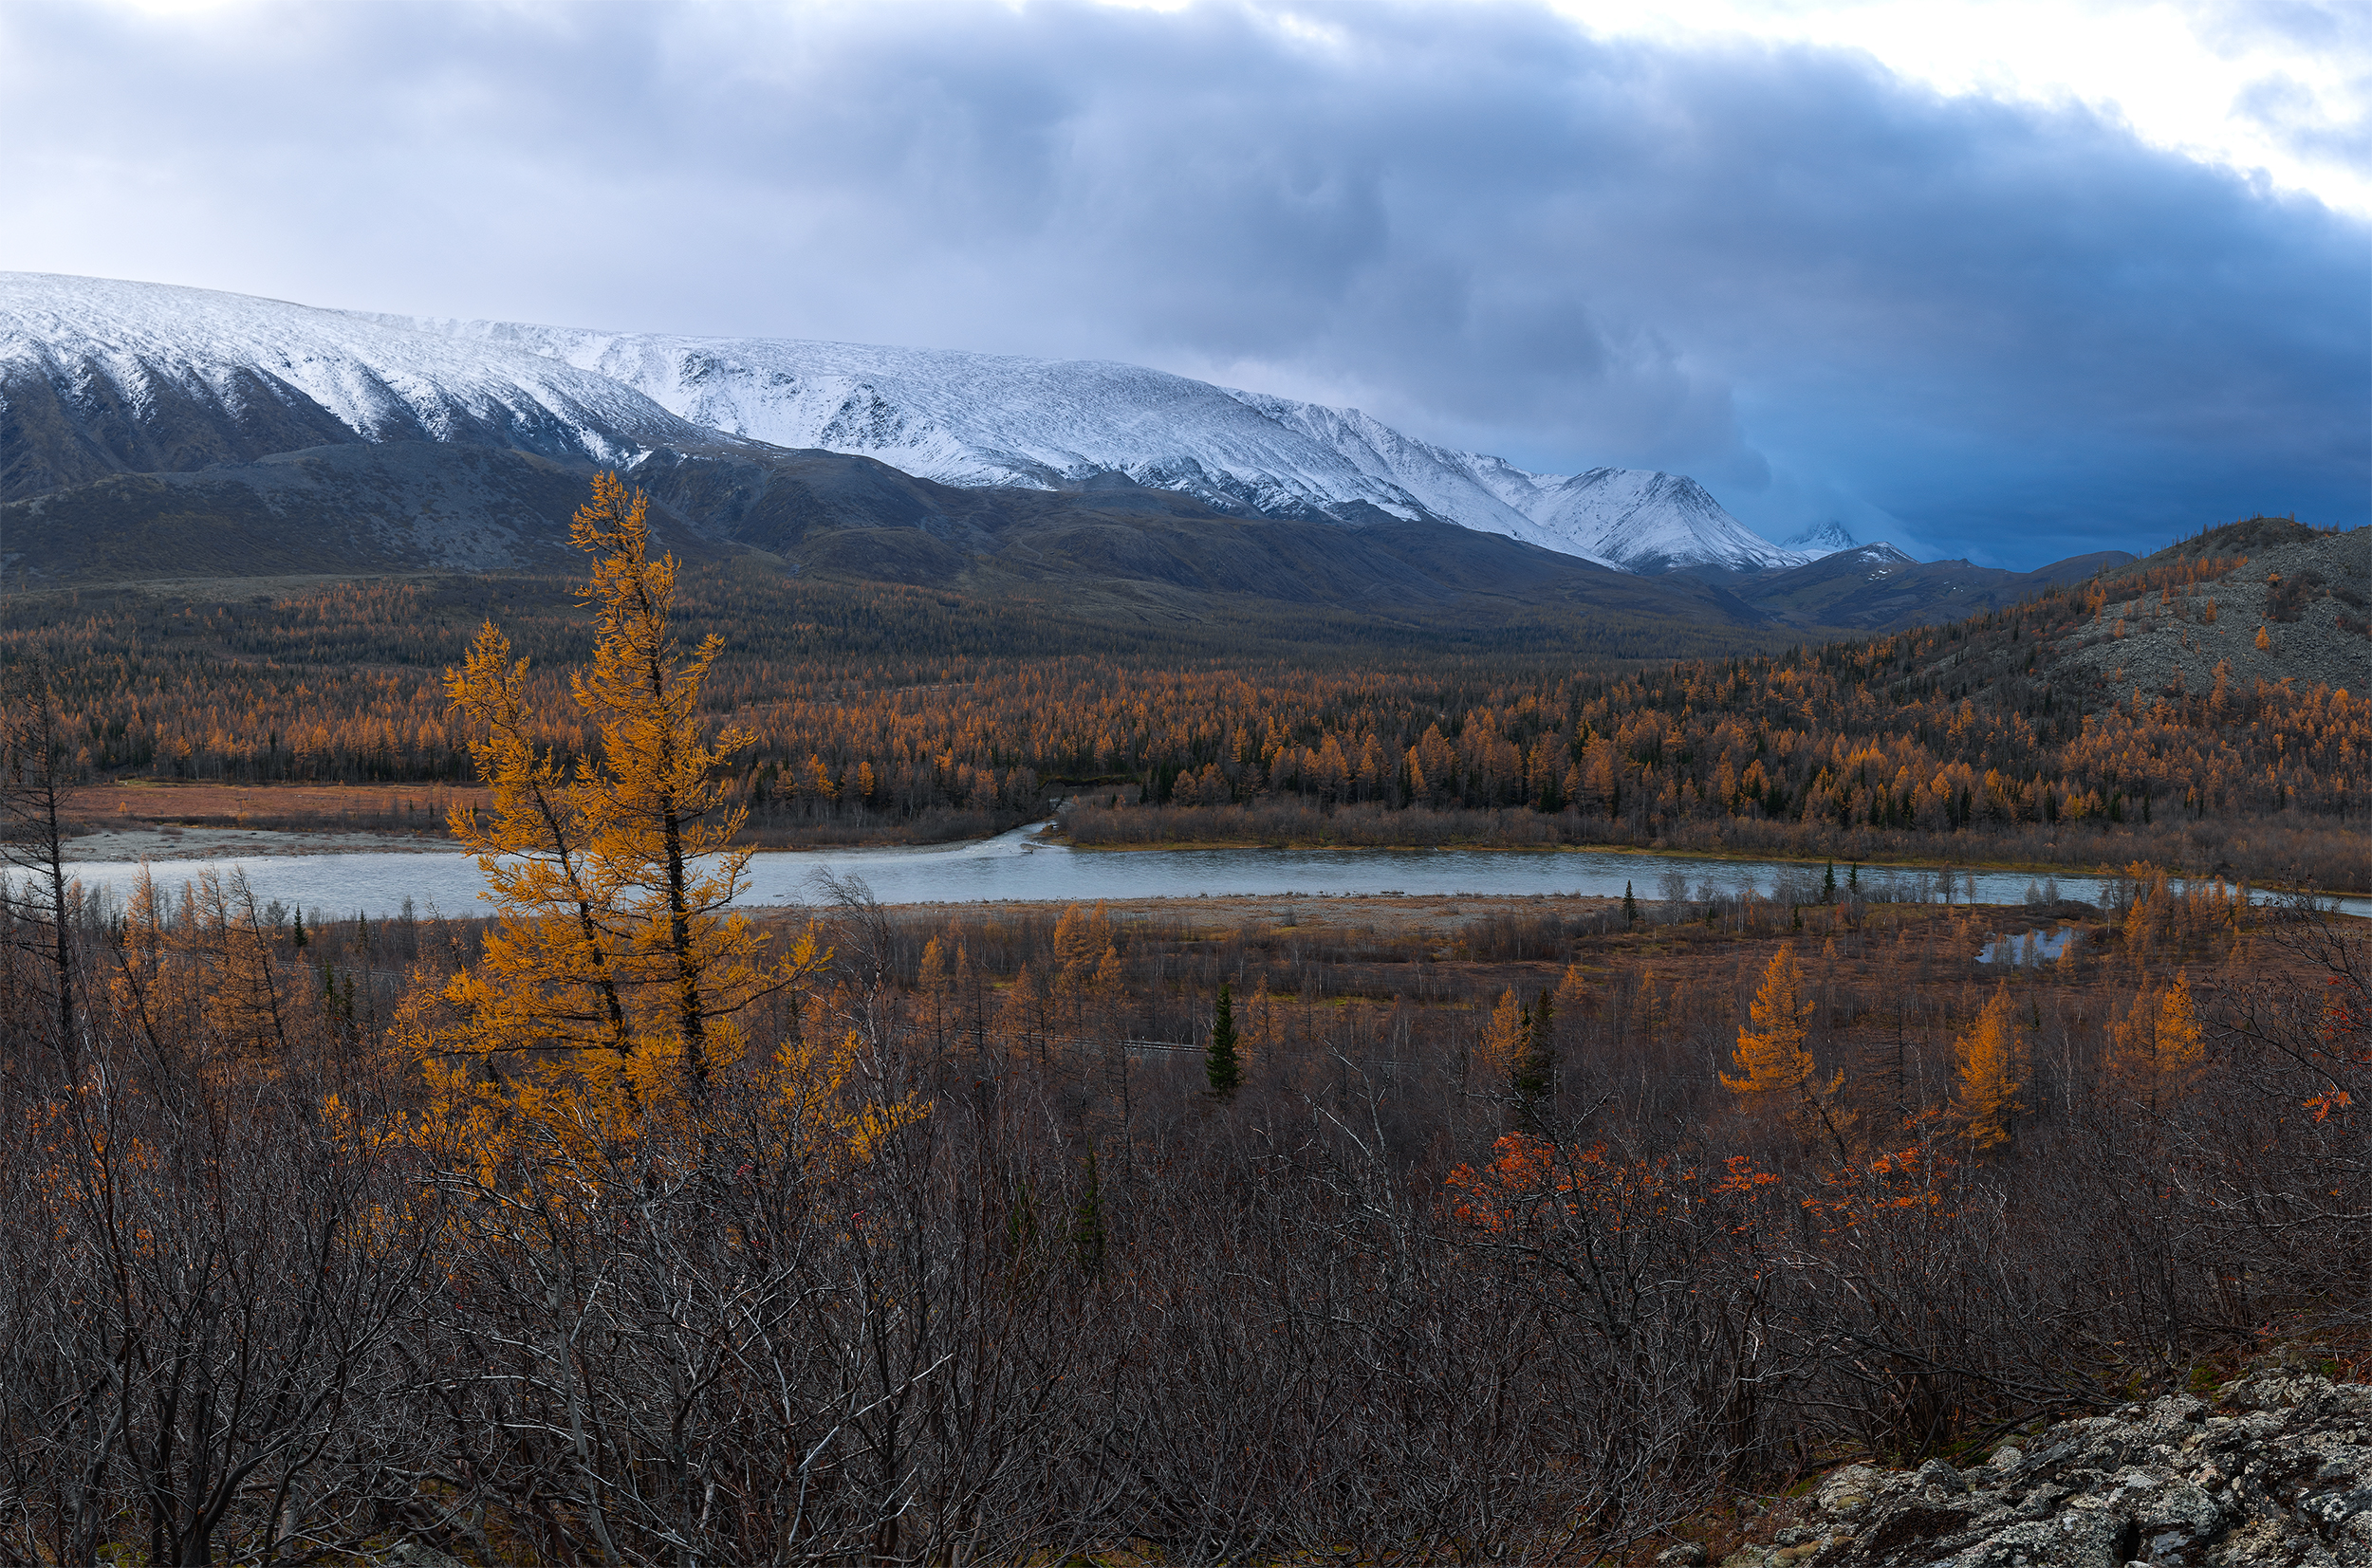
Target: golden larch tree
(2158, 1051)
(1771, 1057)
(2182, 1042)
(1573, 992)
(1775, 1069)
(1503, 1038)
(1990, 1073)
(614, 961)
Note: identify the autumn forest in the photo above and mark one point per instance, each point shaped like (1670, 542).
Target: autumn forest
(877, 713)
(627, 1224)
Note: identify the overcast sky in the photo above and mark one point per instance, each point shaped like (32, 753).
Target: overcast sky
(2006, 281)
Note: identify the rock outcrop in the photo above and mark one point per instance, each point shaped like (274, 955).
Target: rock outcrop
(2279, 1471)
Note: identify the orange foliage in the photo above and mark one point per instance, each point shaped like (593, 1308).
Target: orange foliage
(893, 703)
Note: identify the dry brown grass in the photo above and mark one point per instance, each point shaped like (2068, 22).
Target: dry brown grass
(393, 808)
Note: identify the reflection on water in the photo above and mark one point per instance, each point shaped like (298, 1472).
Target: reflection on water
(1019, 865)
(2028, 950)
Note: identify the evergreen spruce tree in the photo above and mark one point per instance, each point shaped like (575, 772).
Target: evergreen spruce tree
(1828, 884)
(1534, 1080)
(1630, 906)
(1220, 1064)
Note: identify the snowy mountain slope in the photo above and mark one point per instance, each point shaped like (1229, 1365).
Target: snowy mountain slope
(100, 377)
(1463, 487)
(1647, 522)
(975, 419)
(964, 418)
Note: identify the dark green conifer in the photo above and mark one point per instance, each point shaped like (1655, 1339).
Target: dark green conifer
(1630, 906)
(1534, 1080)
(1021, 1219)
(1220, 1064)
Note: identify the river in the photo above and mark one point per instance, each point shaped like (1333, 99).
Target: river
(1022, 865)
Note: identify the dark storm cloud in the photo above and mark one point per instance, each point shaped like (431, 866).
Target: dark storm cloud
(2004, 331)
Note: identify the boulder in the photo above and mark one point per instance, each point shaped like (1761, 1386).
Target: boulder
(2280, 1475)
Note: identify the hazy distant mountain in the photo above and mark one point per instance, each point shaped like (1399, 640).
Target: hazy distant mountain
(1826, 539)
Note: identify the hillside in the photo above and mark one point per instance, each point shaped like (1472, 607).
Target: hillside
(2180, 619)
(1112, 550)
(1877, 588)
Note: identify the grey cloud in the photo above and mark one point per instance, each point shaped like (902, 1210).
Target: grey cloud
(2011, 332)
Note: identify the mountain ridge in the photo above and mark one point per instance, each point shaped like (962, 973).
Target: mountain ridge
(152, 426)
(108, 376)
(982, 420)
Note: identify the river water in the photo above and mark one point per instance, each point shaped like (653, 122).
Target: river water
(1020, 865)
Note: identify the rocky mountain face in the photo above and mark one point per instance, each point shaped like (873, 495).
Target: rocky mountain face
(2308, 592)
(2278, 1470)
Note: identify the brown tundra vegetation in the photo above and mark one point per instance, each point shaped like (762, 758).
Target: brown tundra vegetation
(1506, 1248)
(623, 1229)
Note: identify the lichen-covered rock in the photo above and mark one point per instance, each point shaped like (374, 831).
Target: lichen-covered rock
(1844, 1493)
(2281, 1476)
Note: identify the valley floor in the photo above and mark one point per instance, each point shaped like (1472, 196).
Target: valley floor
(159, 819)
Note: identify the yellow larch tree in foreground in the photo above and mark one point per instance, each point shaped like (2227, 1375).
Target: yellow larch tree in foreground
(1775, 1069)
(614, 967)
(1990, 1073)
(2158, 1051)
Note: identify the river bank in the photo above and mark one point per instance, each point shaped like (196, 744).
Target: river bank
(2285, 852)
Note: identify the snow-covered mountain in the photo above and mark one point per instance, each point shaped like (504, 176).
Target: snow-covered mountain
(104, 376)
(99, 377)
(1647, 522)
(965, 418)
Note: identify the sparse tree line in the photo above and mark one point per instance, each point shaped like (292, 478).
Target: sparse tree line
(619, 1229)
